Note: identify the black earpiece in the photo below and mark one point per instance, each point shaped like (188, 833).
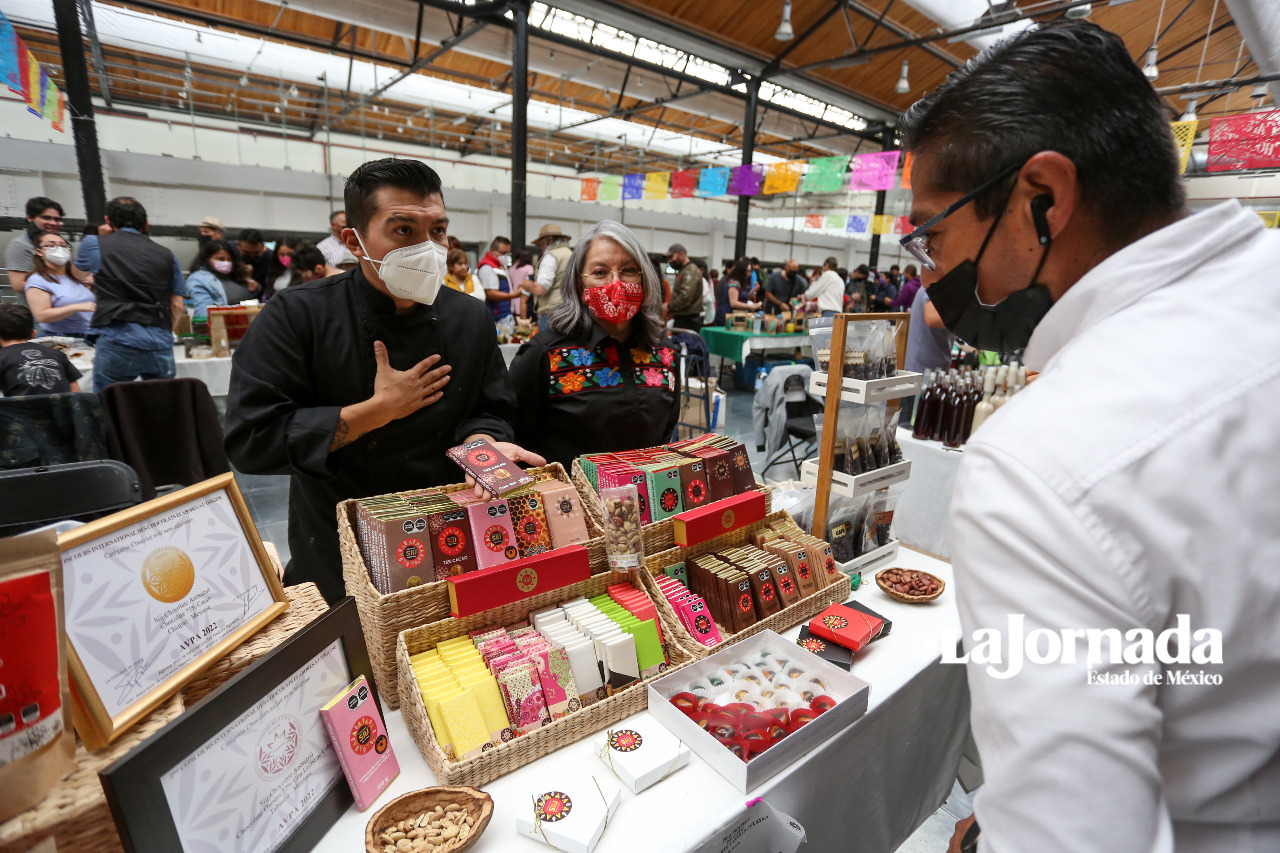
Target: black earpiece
(1039, 205)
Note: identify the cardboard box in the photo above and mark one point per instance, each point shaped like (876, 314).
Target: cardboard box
(569, 813)
(699, 525)
(486, 589)
(851, 693)
(845, 626)
(641, 754)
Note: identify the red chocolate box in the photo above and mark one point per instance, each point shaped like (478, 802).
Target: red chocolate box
(845, 626)
(489, 588)
(707, 522)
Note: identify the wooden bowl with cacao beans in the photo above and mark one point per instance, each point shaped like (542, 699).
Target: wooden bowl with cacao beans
(910, 585)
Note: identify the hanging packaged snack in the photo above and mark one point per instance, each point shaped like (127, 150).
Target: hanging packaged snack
(882, 508)
(820, 340)
(843, 530)
(857, 356)
(893, 450)
(868, 541)
(624, 546)
(877, 446)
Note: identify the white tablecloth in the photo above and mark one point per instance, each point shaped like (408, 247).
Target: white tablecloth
(921, 517)
(213, 372)
(867, 788)
(768, 343)
(509, 352)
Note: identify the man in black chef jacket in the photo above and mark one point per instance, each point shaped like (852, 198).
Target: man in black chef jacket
(356, 384)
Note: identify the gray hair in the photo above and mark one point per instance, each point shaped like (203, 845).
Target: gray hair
(571, 315)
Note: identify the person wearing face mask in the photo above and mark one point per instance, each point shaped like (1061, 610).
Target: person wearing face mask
(60, 304)
(280, 274)
(1125, 493)
(43, 215)
(495, 278)
(600, 375)
(216, 279)
(356, 384)
(211, 228)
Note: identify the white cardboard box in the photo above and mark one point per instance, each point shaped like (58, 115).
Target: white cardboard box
(569, 813)
(851, 693)
(641, 754)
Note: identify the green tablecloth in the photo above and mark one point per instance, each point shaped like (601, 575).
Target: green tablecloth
(735, 345)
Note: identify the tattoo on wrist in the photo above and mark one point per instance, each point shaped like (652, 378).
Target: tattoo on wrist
(342, 435)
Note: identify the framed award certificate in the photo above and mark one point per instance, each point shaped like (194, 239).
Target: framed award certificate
(154, 595)
(250, 768)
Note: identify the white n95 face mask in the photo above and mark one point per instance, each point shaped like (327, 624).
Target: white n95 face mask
(412, 272)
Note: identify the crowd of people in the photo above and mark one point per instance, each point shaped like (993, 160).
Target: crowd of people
(68, 293)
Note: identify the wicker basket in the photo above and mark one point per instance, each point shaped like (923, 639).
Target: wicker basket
(477, 804)
(657, 536)
(382, 617)
(789, 617)
(75, 814)
(910, 599)
(502, 759)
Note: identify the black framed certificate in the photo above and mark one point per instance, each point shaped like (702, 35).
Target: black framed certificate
(250, 768)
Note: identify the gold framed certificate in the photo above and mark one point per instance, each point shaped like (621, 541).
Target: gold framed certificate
(154, 595)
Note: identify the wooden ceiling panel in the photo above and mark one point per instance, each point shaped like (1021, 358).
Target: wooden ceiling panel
(746, 25)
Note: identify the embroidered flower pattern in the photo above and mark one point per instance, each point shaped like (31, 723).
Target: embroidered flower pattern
(570, 382)
(577, 369)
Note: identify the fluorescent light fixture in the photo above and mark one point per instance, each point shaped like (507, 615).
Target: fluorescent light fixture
(1260, 91)
(785, 33)
(1078, 12)
(1190, 114)
(904, 85)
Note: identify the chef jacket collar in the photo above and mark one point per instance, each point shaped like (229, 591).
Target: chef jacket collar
(1159, 259)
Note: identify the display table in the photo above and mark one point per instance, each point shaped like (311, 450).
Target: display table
(867, 789)
(921, 519)
(736, 346)
(213, 372)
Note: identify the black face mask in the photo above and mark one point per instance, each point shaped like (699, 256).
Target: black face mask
(1003, 327)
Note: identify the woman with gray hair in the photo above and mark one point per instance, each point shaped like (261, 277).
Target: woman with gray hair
(600, 375)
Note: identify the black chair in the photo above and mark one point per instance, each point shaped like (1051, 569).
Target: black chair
(693, 363)
(33, 497)
(802, 435)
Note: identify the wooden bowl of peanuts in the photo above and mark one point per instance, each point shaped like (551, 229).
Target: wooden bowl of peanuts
(433, 820)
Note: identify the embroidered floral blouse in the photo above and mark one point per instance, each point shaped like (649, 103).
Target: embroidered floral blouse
(592, 394)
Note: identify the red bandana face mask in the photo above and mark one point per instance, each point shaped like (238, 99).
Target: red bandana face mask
(615, 302)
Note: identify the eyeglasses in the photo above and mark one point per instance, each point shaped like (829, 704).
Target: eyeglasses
(917, 242)
(599, 278)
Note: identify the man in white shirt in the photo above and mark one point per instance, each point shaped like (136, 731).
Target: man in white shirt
(828, 289)
(1130, 488)
(548, 284)
(332, 246)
